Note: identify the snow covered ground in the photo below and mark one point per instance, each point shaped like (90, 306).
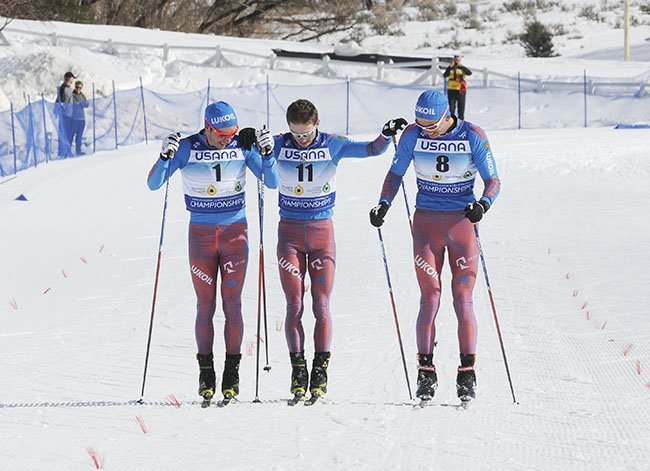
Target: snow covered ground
(567, 253)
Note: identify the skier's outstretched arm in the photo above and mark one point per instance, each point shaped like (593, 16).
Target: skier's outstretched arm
(401, 162)
(393, 180)
(342, 147)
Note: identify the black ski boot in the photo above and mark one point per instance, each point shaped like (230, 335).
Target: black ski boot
(207, 378)
(466, 378)
(299, 373)
(427, 377)
(318, 382)
(299, 377)
(230, 378)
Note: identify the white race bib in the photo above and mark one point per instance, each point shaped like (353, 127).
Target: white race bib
(214, 180)
(307, 179)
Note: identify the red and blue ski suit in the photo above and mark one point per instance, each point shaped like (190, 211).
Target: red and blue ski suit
(214, 183)
(446, 168)
(307, 194)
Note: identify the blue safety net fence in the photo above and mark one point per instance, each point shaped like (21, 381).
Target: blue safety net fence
(44, 131)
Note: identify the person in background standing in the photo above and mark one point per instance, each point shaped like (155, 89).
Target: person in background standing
(64, 112)
(79, 102)
(457, 86)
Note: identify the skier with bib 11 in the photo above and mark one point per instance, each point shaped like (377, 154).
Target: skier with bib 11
(213, 168)
(448, 154)
(307, 163)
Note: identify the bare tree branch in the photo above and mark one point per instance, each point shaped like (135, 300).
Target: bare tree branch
(302, 20)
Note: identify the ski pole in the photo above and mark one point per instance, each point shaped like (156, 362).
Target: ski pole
(392, 301)
(261, 288)
(494, 311)
(406, 201)
(267, 367)
(155, 284)
(259, 293)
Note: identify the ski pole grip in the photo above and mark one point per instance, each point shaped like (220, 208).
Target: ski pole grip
(266, 150)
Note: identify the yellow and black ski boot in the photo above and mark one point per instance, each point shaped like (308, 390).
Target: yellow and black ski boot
(230, 378)
(299, 377)
(318, 382)
(207, 377)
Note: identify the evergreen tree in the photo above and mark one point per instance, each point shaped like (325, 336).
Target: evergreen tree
(537, 40)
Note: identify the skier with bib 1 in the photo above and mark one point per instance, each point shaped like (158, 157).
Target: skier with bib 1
(307, 163)
(448, 154)
(213, 168)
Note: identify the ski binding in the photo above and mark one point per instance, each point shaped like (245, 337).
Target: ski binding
(207, 399)
(299, 396)
(313, 399)
(227, 399)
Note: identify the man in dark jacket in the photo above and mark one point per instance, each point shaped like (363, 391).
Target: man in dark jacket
(456, 86)
(64, 111)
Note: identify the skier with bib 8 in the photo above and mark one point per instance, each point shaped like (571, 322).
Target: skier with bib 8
(447, 154)
(307, 163)
(213, 168)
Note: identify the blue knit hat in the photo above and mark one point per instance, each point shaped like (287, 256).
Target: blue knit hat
(220, 115)
(431, 105)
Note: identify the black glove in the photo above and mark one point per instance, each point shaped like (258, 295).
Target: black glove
(377, 214)
(475, 211)
(247, 138)
(391, 127)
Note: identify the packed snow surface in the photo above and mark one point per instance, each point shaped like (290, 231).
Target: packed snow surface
(567, 253)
